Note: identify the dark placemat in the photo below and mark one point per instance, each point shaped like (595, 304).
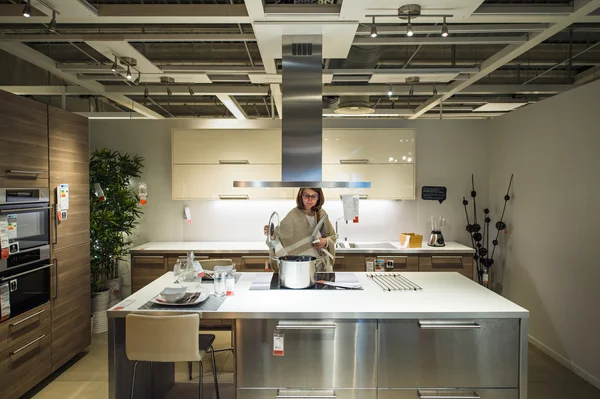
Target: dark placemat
(213, 303)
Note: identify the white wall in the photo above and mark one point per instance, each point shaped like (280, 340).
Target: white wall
(447, 153)
(551, 265)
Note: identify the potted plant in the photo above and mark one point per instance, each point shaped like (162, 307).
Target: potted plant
(114, 214)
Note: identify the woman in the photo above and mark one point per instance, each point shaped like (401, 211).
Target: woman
(297, 228)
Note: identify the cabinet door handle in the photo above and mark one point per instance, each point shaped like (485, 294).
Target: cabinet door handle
(27, 318)
(255, 257)
(233, 161)
(360, 196)
(445, 257)
(32, 173)
(353, 161)
(452, 394)
(23, 209)
(305, 393)
(149, 257)
(447, 324)
(305, 325)
(27, 346)
(55, 263)
(393, 256)
(55, 222)
(234, 197)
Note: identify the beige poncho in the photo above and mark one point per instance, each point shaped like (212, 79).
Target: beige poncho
(296, 236)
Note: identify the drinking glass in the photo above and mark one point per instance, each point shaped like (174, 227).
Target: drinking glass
(219, 279)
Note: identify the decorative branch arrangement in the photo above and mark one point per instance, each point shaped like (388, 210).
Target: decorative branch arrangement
(480, 239)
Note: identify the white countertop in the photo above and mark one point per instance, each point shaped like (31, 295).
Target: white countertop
(445, 295)
(261, 247)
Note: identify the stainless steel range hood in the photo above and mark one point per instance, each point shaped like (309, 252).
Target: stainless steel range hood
(302, 122)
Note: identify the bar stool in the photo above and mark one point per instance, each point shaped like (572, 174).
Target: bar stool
(167, 339)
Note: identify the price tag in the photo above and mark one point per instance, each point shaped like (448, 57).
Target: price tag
(4, 249)
(277, 344)
(4, 302)
(63, 197)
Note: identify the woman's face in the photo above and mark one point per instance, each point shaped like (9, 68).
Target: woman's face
(309, 198)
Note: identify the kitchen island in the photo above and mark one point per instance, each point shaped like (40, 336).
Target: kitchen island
(452, 337)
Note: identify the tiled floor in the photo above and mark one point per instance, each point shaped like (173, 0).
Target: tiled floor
(86, 377)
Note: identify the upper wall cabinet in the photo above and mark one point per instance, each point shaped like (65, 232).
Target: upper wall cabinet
(226, 146)
(24, 133)
(368, 146)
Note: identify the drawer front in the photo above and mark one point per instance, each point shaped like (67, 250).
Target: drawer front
(325, 354)
(349, 263)
(252, 263)
(25, 327)
(172, 259)
(25, 365)
(306, 393)
(145, 269)
(454, 354)
(448, 393)
(462, 264)
(401, 263)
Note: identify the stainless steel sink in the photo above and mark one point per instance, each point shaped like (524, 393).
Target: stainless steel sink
(376, 245)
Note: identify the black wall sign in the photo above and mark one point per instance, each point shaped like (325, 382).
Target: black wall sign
(434, 193)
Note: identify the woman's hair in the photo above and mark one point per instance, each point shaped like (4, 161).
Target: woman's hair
(319, 203)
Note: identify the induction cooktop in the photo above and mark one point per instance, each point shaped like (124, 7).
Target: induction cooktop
(270, 281)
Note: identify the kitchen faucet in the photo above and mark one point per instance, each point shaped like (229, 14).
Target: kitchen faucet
(336, 228)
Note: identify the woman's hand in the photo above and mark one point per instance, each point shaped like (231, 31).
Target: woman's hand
(321, 244)
(266, 230)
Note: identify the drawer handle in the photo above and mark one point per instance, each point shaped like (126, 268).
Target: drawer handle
(27, 272)
(255, 257)
(353, 161)
(393, 257)
(25, 172)
(300, 394)
(234, 197)
(233, 161)
(148, 257)
(27, 318)
(24, 209)
(446, 257)
(444, 324)
(28, 345)
(317, 325)
(452, 395)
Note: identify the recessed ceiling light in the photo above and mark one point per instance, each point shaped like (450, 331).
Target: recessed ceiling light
(498, 107)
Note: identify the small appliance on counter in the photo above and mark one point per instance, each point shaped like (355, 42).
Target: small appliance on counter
(436, 239)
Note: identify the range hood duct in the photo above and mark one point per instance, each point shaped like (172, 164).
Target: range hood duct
(302, 123)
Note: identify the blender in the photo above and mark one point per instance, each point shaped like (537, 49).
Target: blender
(436, 239)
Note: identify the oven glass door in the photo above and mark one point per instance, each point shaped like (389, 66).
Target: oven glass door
(29, 288)
(28, 225)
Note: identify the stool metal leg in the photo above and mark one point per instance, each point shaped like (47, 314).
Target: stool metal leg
(133, 379)
(214, 367)
(200, 379)
(152, 379)
(190, 369)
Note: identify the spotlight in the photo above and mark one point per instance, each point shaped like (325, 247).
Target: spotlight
(373, 29)
(146, 91)
(409, 28)
(435, 92)
(169, 92)
(52, 27)
(27, 9)
(128, 76)
(114, 65)
(445, 32)
(190, 90)
(411, 91)
(137, 80)
(390, 92)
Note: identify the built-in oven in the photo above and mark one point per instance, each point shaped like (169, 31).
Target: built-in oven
(25, 257)
(25, 213)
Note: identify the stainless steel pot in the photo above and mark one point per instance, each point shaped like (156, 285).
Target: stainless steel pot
(297, 272)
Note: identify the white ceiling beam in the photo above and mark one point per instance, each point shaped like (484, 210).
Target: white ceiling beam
(276, 93)
(588, 75)
(112, 115)
(509, 53)
(214, 11)
(46, 90)
(312, 11)
(205, 69)
(34, 57)
(199, 90)
(437, 41)
(365, 30)
(382, 89)
(233, 106)
(530, 9)
(131, 37)
(67, 8)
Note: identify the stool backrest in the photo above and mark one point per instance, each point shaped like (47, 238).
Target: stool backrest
(209, 264)
(162, 338)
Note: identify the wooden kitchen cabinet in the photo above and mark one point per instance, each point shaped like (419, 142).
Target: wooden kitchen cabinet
(24, 135)
(220, 145)
(145, 269)
(462, 263)
(402, 263)
(349, 263)
(71, 303)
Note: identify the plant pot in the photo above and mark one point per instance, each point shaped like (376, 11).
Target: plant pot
(100, 302)
(114, 286)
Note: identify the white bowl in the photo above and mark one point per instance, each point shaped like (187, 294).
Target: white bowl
(173, 294)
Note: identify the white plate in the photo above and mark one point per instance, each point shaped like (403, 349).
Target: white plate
(201, 298)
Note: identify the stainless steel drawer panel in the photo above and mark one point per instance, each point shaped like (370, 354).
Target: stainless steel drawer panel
(473, 353)
(325, 354)
(313, 393)
(448, 394)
